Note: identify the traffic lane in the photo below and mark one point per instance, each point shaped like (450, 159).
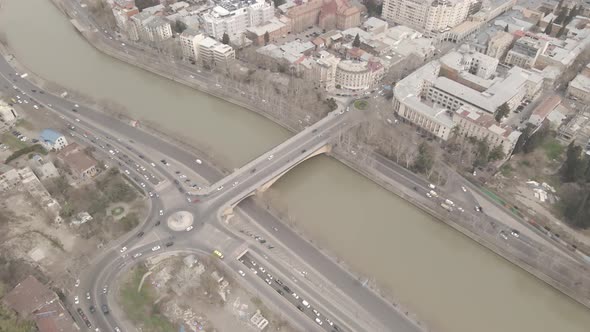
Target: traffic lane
(178, 154)
(326, 305)
(289, 293)
(282, 303)
(346, 282)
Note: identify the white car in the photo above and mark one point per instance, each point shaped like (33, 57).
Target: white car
(319, 321)
(161, 212)
(123, 249)
(189, 228)
(240, 272)
(464, 189)
(88, 296)
(105, 289)
(271, 156)
(142, 185)
(219, 188)
(317, 313)
(137, 255)
(198, 161)
(432, 186)
(36, 107)
(295, 296)
(127, 172)
(76, 105)
(77, 120)
(76, 299)
(153, 165)
(77, 283)
(515, 233)
(235, 183)
(156, 248)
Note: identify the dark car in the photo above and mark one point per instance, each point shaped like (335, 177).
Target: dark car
(169, 244)
(158, 223)
(92, 309)
(300, 308)
(140, 234)
(287, 289)
(278, 281)
(280, 291)
(74, 110)
(105, 309)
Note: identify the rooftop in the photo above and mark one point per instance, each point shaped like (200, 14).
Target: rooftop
(581, 82)
(49, 135)
(28, 296)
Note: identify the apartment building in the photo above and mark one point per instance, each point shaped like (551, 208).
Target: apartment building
(212, 52)
(149, 26)
(427, 15)
(276, 28)
(525, 52)
(328, 14)
(499, 44)
(430, 96)
(234, 19)
(189, 43)
(123, 11)
(323, 70)
(355, 75)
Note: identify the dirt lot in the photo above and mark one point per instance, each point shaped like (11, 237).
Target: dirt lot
(188, 291)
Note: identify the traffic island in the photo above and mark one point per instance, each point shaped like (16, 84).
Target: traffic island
(180, 221)
(361, 104)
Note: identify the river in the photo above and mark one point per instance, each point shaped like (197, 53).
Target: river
(448, 280)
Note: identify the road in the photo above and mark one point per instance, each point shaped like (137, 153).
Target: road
(133, 141)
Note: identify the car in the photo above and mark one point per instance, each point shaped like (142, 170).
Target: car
(428, 195)
(287, 289)
(137, 255)
(77, 283)
(262, 269)
(77, 120)
(123, 249)
(92, 309)
(87, 295)
(295, 296)
(117, 329)
(478, 208)
(271, 156)
(269, 276)
(105, 290)
(317, 313)
(503, 235)
(267, 281)
(151, 194)
(300, 308)
(219, 188)
(76, 105)
(515, 233)
(142, 185)
(76, 299)
(278, 281)
(36, 107)
(218, 254)
(189, 228)
(253, 263)
(464, 189)
(153, 165)
(158, 223)
(280, 291)
(235, 184)
(240, 272)
(306, 304)
(156, 248)
(105, 309)
(431, 186)
(140, 234)
(169, 244)
(198, 161)
(253, 270)
(319, 321)
(329, 322)
(161, 212)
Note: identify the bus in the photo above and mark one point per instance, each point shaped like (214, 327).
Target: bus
(218, 253)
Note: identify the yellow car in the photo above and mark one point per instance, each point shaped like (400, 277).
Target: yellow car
(218, 254)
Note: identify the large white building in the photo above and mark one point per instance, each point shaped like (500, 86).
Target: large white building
(197, 47)
(149, 27)
(426, 15)
(525, 52)
(234, 19)
(430, 96)
(355, 75)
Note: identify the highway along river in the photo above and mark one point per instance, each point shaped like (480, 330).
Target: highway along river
(448, 280)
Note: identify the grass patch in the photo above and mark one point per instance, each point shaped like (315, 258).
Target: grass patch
(37, 148)
(361, 104)
(139, 306)
(525, 163)
(12, 142)
(506, 170)
(553, 149)
(10, 322)
(24, 124)
(117, 211)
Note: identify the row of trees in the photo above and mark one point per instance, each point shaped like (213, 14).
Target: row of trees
(575, 193)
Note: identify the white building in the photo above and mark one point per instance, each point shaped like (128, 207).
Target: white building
(235, 20)
(150, 27)
(355, 75)
(483, 126)
(189, 43)
(52, 140)
(431, 95)
(212, 52)
(426, 15)
(323, 70)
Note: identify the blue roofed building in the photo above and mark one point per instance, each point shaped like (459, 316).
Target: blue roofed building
(52, 140)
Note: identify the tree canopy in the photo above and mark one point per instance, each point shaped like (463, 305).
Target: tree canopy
(501, 112)
(357, 41)
(225, 38)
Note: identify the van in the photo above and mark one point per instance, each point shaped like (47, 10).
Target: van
(305, 303)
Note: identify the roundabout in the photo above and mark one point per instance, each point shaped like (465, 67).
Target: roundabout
(180, 221)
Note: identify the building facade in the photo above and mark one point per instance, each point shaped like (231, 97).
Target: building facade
(426, 15)
(234, 21)
(499, 44)
(189, 43)
(214, 53)
(354, 75)
(525, 52)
